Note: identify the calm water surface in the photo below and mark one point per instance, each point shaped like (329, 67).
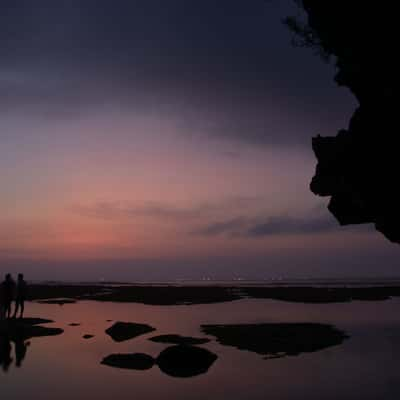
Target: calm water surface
(367, 366)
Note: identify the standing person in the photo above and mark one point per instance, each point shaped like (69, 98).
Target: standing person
(20, 298)
(8, 289)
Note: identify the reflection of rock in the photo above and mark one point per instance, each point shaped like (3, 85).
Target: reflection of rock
(177, 361)
(359, 167)
(22, 329)
(60, 302)
(136, 361)
(185, 361)
(121, 331)
(280, 339)
(177, 339)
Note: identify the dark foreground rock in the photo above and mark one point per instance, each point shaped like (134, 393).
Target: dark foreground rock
(277, 340)
(27, 328)
(122, 331)
(176, 361)
(178, 339)
(185, 361)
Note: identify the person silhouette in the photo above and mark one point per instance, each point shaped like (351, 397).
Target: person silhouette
(20, 297)
(5, 353)
(20, 349)
(8, 289)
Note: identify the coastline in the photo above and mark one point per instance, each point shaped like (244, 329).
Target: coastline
(206, 294)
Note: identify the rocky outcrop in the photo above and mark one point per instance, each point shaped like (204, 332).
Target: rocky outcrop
(358, 168)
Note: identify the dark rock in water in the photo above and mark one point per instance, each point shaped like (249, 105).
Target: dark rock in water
(122, 331)
(277, 340)
(177, 361)
(74, 324)
(26, 328)
(177, 339)
(185, 361)
(60, 302)
(137, 361)
(88, 336)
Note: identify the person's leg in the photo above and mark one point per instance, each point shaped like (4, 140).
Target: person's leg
(22, 305)
(8, 309)
(16, 308)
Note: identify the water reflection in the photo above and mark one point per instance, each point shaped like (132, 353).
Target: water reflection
(20, 350)
(364, 366)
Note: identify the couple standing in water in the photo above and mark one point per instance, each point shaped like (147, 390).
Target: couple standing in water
(9, 291)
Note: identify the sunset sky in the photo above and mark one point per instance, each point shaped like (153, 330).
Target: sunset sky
(154, 140)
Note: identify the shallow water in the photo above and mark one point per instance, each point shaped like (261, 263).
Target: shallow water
(366, 366)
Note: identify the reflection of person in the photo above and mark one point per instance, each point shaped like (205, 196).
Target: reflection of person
(20, 298)
(5, 353)
(2, 306)
(20, 348)
(8, 288)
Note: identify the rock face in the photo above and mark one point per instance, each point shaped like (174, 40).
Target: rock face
(122, 331)
(177, 339)
(359, 167)
(277, 340)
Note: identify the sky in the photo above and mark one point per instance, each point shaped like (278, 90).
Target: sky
(154, 140)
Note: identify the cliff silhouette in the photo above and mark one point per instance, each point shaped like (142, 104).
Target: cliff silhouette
(358, 168)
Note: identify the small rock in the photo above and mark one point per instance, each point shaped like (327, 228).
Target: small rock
(122, 331)
(88, 336)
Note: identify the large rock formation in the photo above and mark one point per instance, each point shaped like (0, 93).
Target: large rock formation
(275, 340)
(359, 167)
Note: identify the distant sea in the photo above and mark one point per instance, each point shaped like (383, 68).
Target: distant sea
(285, 282)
